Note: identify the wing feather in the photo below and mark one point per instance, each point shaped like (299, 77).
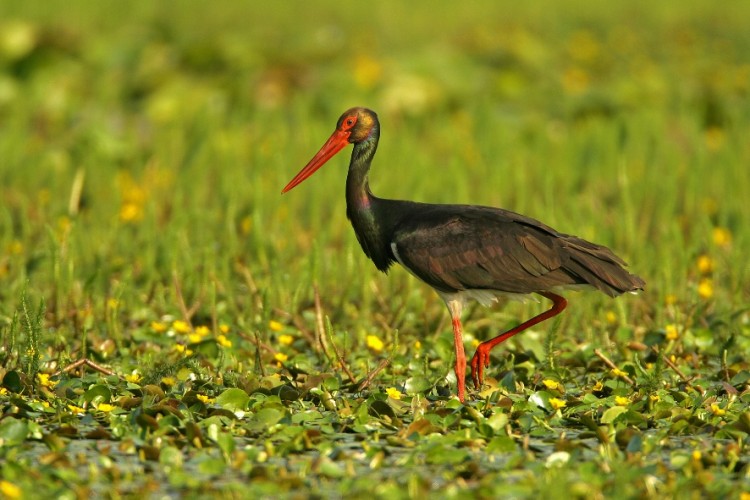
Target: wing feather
(493, 249)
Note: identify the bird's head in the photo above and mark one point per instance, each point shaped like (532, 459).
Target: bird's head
(356, 125)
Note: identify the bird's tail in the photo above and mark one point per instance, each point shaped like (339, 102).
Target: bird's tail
(597, 266)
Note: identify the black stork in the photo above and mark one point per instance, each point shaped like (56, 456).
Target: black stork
(465, 251)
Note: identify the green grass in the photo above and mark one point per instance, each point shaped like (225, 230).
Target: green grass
(143, 147)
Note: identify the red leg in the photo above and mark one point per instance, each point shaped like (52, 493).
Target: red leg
(460, 358)
(481, 358)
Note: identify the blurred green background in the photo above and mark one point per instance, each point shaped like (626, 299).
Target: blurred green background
(135, 137)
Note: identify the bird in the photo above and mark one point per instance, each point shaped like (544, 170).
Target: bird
(465, 252)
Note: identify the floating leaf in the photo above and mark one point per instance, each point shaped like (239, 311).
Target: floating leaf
(12, 381)
(269, 416)
(611, 414)
(212, 466)
(540, 399)
(171, 458)
(13, 431)
(233, 399)
(501, 444)
(98, 394)
(416, 385)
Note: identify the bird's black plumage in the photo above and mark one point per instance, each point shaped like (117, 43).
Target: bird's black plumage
(462, 247)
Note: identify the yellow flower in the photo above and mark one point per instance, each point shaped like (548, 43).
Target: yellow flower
(134, 377)
(203, 330)
(131, 212)
(224, 328)
(15, 247)
(557, 403)
(654, 398)
(170, 381)
(622, 401)
(223, 341)
(181, 326)
(63, 224)
(158, 326)
(393, 393)
(280, 357)
(204, 399)
(670, 299)
(475, 343)
(9, 490)
(705, 289)
(705, 264)
(671, 331)
(76, 410)
(618, 373)
(417, 345)
(717, 410)
(286, 339)
(374, 343)
(598, 387)
(275, 326)
(194, 338)
(551, 384)
(697, 455)
(367, 71)
(722, 237)
(112, 303)
(105, 407)
(575, 80)
(611, 317)
(3, 391)
(183, 349)
(44, 380)
(133, 198)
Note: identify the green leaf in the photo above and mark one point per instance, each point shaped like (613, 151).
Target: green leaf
(233, 399)
(611, 414)
(269, 416)
(226, 443)
(332, 383)
(12, 381)
(501, 444)
(13, 432)
(98, 394)
(415, 385)
(171, 458)
(541, 399)
(498, 421)
(212, 466)
(208, 348)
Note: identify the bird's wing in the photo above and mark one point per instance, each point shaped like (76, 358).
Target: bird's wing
(481, 249)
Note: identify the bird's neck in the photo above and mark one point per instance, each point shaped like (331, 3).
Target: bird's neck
(358, 195)
(362, 206)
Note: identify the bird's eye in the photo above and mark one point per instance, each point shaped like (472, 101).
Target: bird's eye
(350, 121)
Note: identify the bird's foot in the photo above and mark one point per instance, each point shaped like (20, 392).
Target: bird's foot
(479, 362)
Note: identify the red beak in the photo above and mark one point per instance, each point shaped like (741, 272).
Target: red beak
(333, 145)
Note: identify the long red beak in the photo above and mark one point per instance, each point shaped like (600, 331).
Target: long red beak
(333, 145)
